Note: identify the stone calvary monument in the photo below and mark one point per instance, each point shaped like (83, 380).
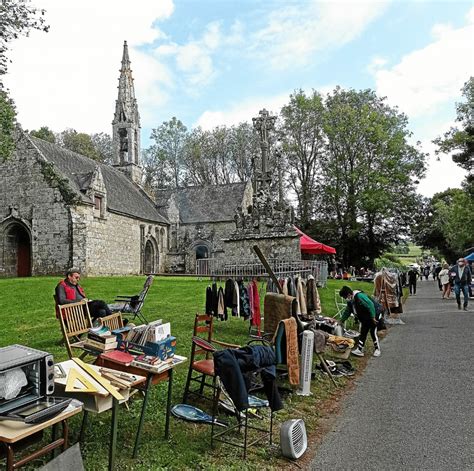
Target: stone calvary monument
(268, 221)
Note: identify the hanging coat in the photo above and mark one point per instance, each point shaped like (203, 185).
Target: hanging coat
(313, 303)
(301, 297)
(244, 301)
(256, 318)
(235, 299)
(221, 309)
(229, 293)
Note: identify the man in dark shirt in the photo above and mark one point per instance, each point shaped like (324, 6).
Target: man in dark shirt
(412, 276)
(69, 291)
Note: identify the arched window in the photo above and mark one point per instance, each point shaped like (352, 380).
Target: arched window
(201, 252)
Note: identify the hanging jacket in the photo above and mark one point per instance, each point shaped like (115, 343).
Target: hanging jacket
(229, 293)
(300, 297)
(256, 318)
(313, 303)
(235, 300)
(209, 301)
(244, 301)
(221, 309)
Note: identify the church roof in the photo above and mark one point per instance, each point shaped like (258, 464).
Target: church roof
(210, 203)
(123, 195)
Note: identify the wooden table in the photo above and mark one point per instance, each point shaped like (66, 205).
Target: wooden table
(151, 379)
(98, 402)
(11, 432)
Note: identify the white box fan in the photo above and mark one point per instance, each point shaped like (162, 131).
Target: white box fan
(293, 439)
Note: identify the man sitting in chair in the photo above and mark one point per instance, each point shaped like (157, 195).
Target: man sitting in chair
(69, 291)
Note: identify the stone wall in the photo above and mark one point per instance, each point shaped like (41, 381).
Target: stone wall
(29, 198)
(282, 247)
(114, 244)
(210, 235)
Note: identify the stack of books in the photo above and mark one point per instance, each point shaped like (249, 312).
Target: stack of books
(151, 332)
(100, 338)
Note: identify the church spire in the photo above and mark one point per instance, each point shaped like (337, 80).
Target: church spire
(126, 123)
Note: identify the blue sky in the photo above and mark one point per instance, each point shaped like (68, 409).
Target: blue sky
(220, 61)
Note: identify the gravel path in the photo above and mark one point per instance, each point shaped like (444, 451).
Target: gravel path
(414, 406)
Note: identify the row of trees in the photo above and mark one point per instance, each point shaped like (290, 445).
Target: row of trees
(180, 157)
(447, 222)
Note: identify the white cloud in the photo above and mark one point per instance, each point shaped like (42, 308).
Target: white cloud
(424, 81)
(426, 78)
(241, 112)
(68, 77)
(244, 111)
(294, 34)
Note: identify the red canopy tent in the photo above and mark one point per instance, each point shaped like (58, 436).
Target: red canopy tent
(308, 245)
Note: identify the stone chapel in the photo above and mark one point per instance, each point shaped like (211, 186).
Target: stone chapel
(60, 209)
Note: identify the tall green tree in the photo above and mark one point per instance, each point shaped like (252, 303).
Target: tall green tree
(17, 18)
(368, 175)
(44, 133)
(7, 125)
(78, 142)
(302, 138)
(445, 223)
(167, 153)
(460, 139)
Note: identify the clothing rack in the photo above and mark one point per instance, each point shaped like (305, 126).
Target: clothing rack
(216, 269)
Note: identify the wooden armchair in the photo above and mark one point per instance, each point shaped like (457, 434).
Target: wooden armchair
(75, 321)
(113, 321)
(201, 362)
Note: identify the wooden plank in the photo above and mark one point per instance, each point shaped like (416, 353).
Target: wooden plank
(104, 382)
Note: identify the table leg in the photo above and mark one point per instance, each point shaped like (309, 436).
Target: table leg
(54, 434)
(65, 434)
(142, 415)
(83, 426)
(168, 403)
(113, 435)
(10, 460)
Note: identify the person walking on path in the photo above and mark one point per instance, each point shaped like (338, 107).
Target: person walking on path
(364, 308)
(462, 277)
(444, 280)
(412, 277)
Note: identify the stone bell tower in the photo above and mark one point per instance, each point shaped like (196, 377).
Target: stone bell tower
(126, 124)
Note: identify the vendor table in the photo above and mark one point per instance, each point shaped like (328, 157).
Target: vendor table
(98, 402)
(12, 432)
(151, 379)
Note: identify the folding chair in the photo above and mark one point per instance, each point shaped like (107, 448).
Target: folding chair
(201, 363)
(133, 304)
(340, 303)
(113, 321)
(75, 321)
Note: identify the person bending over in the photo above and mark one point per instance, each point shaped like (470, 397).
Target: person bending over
(69, 291)
(362, 306)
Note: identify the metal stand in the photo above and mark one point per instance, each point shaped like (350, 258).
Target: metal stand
(242, 423)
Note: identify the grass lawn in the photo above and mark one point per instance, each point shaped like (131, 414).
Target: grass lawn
(27, 313)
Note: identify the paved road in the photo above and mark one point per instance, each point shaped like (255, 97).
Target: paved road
(413, 409)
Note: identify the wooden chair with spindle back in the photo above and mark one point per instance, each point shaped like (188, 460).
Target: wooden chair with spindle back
(75, 321)
(201, 362)
(113, 321)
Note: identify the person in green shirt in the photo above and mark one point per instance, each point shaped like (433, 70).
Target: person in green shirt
(362, 306)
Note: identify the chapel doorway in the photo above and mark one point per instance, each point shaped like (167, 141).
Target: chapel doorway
(19, 249)
(149, 257)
